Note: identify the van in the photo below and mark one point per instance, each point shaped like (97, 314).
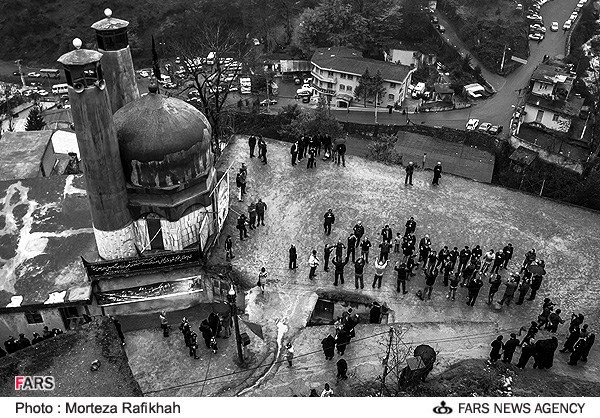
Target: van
(60, 88)
(418, 90)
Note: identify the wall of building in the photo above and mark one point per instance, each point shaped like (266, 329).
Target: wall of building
(542, 89)
(16, 323)
(561, 124)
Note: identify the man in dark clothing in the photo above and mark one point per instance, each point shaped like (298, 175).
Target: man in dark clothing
(544, 353)
(261, 207)
(402, 276)
(23, 341)
(508, 253)
(311, 158)
(238, 183)
(497, 346)
(477, 253)
(386, 233)
(228, 248)
(293, 257)
(194, 345)
(474, 287)
(305, 145)
(342, 369)
(431, 260)
(430, 277)
(442, 255)
(300, 149)
(509, 292)
(241, 226)
(11, 345)
(186, 330)
(339, 249)
(410, 168)
(384, 253)
(411, 226)
(554, 320)
(536, 283)
(447, 269)
(589, 342)
(263, 148)
(359, 231)
(464, 258)
(38, 338)
(294, 152)
(468, 273)
(365, 246)
(252, 215)
(495, 282)
(437, 173)
(329, 219)
(341, 151)
(359, 267)
(509, 348)
(453, 256)
(523, 289)
(339, 269)
(46, 333)
(215, 324)
(578, 350)
(328, 344)
(351, 249)
(375, 313)
(117, 327)
(530, 257)
(498, 261)
(252, 144)
(410, 265)
(342, 340)
(527, 351)
(326, 253)
(424, 248)
(206, 332)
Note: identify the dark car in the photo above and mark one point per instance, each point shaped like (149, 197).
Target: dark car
(297, 81)
(495, 129)
(305, 99)
(17, 74)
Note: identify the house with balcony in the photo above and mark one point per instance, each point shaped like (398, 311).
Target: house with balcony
(336, 73)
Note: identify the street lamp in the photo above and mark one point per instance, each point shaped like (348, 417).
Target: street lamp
(231, 296)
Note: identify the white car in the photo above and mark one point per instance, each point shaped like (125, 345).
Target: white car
(271, 102)
(536, 36)
(33, 74)
(567, 25)
(42, 93)
(554, 27)
(472, 124)
(144, 74)
(484, 127)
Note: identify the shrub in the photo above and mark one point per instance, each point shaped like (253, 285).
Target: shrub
(383, 150)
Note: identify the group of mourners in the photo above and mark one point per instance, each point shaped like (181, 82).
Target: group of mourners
(309, 147)
(12, 345)
(253, 141)
(578, 343)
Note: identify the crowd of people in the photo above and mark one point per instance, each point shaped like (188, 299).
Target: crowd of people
(310, 147)
(12, 345)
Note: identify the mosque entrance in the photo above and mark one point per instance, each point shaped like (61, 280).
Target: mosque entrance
(155, 233)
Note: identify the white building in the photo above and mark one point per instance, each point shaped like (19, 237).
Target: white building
(337, 71)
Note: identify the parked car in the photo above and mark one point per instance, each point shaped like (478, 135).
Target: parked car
(144, 73)
(271, 102)
(567, 25)
(33, 74)
(484, 127)
(495, 129)
(17, 74)
(536, 36)
(554, 27)
(441, 28)
(170, 85)
(305, 99)
(42, 93)
(472, 124)
(434, 19)
(307, 80)
(297, 81)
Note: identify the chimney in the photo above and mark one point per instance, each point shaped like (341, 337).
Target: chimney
(111, 37)
(99, 148)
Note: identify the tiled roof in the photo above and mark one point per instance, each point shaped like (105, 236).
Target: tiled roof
(548, 73)
(350, 61)
(570, 107)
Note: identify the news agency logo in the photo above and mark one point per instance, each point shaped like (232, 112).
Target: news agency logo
(34, 383)
(442, 409)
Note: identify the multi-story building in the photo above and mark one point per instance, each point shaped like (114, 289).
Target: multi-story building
(337, 71)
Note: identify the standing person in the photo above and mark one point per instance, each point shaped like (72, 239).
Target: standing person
(313, 263)
(351, 249)
(311, 158)
(424, 159)
(194, 345)
(328, 221)
(327, 391)
(164, 323)
(442, 255)
(215, 322)
(293, 257)
(430, 277)
(228, 248)
(261, 207)
(384, 251)
(554, 320)
(424, 248)
(252, 144)
(497, 346)
(305, 145)
(589, 342)
(527, 351)
(263, 150)
(339, 249)
(447, 269)
(498, 262)
(38, 338)
(437, 174)
(342, 340)
(468, 273)
(408, 245)
(342, 369)
(241, 226)
(185, 329)
(359, 267)
(509, 291)
(574, 335)
(341, 151)
(453, 256)
(578, 350)
(359, 231)
(411, 226)
(536, 283)
(476, 254)
(380, 266)
(294, 152)
(431, 260)
(523, 289)
(365, 246)
(530, 257)
(410, 265)
(464, 258)
(397, 242)
(474, 287)
(206, 332)
(495, 282)
(289, 355)
(262, 280)
(488, 259)
(386, 233)
(326, 253)
(509, 348)
(375, 313)
(300, 149)
(339, 269)
(244, 173)
(328, 344)
(454, 280)
(238, 183)
(252, 215)
(11, 345)
(410, 169)
(402, 272)
(508, 254)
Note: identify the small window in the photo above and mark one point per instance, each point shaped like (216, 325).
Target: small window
(350, 77)
(34, 317)
(342, 87)
(321, 72)
(390, 97)
(329, 86)
(555, 118)
(342, 75)
(392, 85)
(330, 73)
(348, 88)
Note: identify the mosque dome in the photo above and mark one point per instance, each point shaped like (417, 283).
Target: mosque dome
(164, 141)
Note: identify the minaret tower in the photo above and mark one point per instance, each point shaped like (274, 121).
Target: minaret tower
(97, 140)
(111, 37)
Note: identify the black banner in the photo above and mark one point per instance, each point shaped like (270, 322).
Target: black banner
(154, 263)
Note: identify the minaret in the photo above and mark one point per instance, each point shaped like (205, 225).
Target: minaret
(111, 37)
(97, 140)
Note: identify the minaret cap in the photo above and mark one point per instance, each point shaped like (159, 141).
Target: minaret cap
(79, 56)
(109, 22)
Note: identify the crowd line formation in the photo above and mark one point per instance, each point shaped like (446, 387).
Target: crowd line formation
(12, 345)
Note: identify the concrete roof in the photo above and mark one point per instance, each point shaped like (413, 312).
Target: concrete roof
(570, 107)
(22, 154)
(350, 61)
(548, 73)
(45, 226)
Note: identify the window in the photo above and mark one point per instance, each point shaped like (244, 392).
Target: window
(342, 87)
(348, 88)
(555, 117)
(342, 75)
(34, 317)
(390, 97)
(329, 86)
(330, 73)
(350, 77)
(320, 71)
(392, 85)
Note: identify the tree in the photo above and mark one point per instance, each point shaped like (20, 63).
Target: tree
(35, 120)
(313, 122)
(155, 61)
(376, 88)
(362, 91)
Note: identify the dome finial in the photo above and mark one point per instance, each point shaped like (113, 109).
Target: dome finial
(153, 87)
(107, 13)
(77, 43)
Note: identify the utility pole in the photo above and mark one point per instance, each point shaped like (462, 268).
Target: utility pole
(386, 360)
(503, 58)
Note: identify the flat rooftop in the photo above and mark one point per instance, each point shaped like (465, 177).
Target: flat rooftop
(22, 154)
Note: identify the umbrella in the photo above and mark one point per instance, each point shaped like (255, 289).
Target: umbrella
(339, 141)
(536, 269)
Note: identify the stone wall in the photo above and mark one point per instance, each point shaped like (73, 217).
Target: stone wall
(558, 160)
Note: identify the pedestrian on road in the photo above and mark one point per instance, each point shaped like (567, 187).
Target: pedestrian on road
(339, 269)
(311, 158)
(527, 351)
(326, 254)
(495, 282)
(252, 144)
(589, 342)
(359, 267)
(498, 262)
(262, 279)
(397, 242)
(380, 266)
(239, 183)
(342, 369)
(289, 355)
(437, 173)
(206, 332)
(497, 346)
(375, 313)
(474, 286)
(468, 273)
(293, 257)
(342, 340)
(464, 258)
(554, 320)
(228, 248)
(261, 207)
(359, 231)
(300, 149)
(328, 344)
(578, 350)
(294, 152)
(263, 152)
(509, 348)
(536, 283)
(410, 169)
(313, 263)
(424, 248)
(402, 272)
(329, 219)
(364, 249)
(574, 335)
(186, 330)
(447, 269)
